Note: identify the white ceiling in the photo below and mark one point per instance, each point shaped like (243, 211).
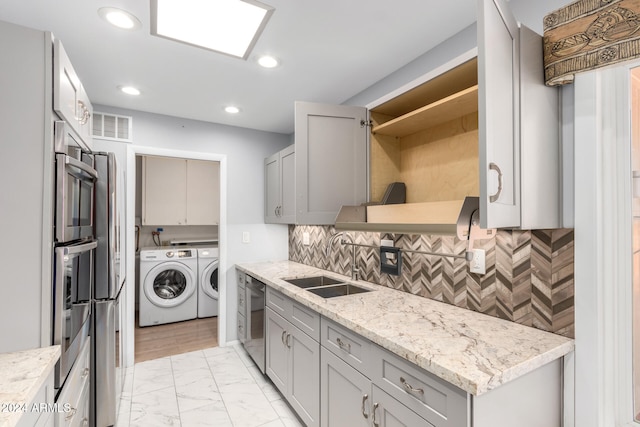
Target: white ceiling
(330, 50)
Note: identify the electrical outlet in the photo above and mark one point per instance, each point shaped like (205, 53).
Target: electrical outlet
(246, 237)
(305, 238)
(477, 264)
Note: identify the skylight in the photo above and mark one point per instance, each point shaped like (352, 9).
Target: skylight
(227, 26)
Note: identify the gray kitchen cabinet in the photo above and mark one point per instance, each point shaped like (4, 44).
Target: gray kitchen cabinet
(331, 160)
(293, 356)
(279, 189)
(352, 392)
(70, 99)
(292, 363)
(180, 191)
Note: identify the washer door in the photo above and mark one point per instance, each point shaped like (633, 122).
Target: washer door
(169, 284)
(209, 280)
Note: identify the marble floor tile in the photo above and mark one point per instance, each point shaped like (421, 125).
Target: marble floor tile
(215, 387)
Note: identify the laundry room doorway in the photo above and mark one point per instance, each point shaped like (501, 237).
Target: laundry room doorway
(177, 204)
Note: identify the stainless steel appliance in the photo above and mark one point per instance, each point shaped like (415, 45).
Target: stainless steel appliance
(106, 354)
(254, 343)
(75, 180)
(74, 248)
(73, 276)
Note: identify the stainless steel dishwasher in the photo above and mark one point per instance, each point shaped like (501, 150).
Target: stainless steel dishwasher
(254, 297)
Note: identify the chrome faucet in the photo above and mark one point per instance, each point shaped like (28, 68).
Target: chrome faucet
(327, 251)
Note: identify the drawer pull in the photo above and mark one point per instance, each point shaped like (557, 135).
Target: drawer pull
(85, 372)
(408, 387)
(72, 412)
(375, 423)
(364, 399)
(85, 422)
(289, 340)
(282, 338)
(343, 345)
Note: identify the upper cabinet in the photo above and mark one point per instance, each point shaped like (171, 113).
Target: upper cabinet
(487, 127)
(326, 168)
(280, 175)
(180, 191)
(70, 99)
(331, 160)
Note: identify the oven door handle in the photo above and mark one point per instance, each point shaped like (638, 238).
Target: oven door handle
(70, 161)
(76, 249)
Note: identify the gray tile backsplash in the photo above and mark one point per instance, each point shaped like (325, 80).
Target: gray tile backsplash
(529, 277)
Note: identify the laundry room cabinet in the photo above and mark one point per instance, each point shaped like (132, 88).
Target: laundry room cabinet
(180, 191)
(279, 189)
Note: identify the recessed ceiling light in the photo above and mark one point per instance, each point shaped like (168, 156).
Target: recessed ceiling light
(267, 61)
(119, 18)
(129, 90)
(228, 26)
(231, 109)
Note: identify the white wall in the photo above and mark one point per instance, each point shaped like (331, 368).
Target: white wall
(245, 151)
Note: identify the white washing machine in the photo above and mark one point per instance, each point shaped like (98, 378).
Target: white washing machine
(208, 282)
(168, 288)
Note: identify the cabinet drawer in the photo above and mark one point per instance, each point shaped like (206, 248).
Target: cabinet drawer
(278, 303)
(304, 318)
(242, 328)
(240, 278)
(347, 345)
(439, 402)
(75, 392)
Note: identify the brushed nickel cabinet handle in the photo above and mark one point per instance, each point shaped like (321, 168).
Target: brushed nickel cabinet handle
(375, 407)
(282, 338)
(494, 198)
(364, 399)
(85, 372)
(343, 345)
(72, 412)
(409, 388)
(289, 340)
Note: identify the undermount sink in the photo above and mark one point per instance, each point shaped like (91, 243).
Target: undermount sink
(313, 282)
(337, 290)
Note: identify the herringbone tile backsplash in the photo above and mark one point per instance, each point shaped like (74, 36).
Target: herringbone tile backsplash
(529, 276)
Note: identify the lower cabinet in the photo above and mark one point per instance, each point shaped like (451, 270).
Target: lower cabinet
(75, 394)
(351, 399)
(292, 363)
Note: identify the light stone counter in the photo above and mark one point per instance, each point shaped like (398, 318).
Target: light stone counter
(470, 350)
(22, 374)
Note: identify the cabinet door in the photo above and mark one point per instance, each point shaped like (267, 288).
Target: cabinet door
(388, 412)
(271, 188)
(498, 115)
(164, 200)
(331, 160)
(346, 393)
(288, 185)
(277, 351)
(203, 192)
(304, 378)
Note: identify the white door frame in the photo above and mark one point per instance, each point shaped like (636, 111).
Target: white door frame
(132, 152)
(603, 249)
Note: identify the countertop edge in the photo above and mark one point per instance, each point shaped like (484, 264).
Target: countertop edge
(45, 358)
(470, 385)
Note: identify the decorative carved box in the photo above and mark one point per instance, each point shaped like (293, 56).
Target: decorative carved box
(589, 34)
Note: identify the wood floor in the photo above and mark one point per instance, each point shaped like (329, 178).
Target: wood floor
(154, 342)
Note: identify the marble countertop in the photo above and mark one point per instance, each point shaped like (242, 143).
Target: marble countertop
(22, 374)
(470, 350)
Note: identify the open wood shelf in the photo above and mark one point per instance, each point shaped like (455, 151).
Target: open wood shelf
(441, 111)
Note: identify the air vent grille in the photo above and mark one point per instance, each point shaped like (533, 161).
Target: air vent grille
(112, 127)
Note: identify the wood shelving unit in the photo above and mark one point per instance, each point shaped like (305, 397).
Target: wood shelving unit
(441, 111)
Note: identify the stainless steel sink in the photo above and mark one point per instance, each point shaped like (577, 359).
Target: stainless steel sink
(338, 290)
(313, 282)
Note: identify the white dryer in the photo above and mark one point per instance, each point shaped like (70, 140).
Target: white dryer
(168, 292)
(208, 282)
